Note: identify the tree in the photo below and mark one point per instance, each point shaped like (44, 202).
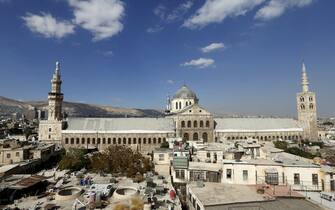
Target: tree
(120, 159)
(74, 159)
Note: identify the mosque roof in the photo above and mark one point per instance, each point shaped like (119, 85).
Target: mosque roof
(256, 124)
(185, 93)
(120, 125)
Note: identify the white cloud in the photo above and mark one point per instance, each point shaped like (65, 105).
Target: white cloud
(170, 81)
(179, 12)
(101, 17)
(155, 29)
(48, 26)
(212, 47)
(200, 63)
(160, 11)
(215, 11)
(275, 8)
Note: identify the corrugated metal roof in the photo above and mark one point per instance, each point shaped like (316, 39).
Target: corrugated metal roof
(256, 124)
(121, 124)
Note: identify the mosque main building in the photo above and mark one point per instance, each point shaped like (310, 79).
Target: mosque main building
(185, 118)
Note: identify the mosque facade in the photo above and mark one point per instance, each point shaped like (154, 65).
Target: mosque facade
(185, 118)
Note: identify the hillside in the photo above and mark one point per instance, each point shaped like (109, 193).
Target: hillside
(73, 109)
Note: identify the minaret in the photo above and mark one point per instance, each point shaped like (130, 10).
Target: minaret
(55, 97)
(306, 107)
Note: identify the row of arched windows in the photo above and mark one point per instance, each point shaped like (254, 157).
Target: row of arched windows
(302, 106)
(302, 99)
(114, 140)
(195, 124)
(178, 105)
(291, 137)
(195, 136)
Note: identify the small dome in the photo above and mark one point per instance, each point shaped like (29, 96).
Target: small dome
(185, 93)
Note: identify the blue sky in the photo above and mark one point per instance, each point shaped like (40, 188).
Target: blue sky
(241, 56)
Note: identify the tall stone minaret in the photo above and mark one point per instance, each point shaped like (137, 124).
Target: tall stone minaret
(306, 106)
(55, 97)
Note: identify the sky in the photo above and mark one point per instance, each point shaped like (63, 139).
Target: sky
(240, 57)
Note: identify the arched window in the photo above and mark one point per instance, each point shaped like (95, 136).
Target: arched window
(189, 124)
(311, 106)
(88, 141)
(134, 140)
(176, 105)
(82, 140)
(129, 140)
(228, 138)
(103, 140)
(186, 137)
(195, 136)
(114, 140)
(201, 124)
(149, 140)
(302, 106)
(310, 98)
(119, 140)
(98, 141)
(124, 141)
(109, 140)
(207, 124)
(186, 103)
(140, 141)
(144, 141)
(179, 105)
(159, 140)
(183, 124)
(66, 140)
(93, 140)
(195, 124)
(302, 99)
(164, 139)
(154, 140)
(77, 140)
(72, 140)
(205, 137)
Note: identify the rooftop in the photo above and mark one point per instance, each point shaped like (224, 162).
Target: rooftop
(120, 125)
(220, 194)
(256, 124)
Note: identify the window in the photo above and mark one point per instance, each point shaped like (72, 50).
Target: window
(245, 175)
(311, 106)
(208, 155)
(124, 141)
(315, 179)
(114, 140)
(88, 141)
(139, 141)
(228, 173)
(72, 140)
(159, 140)
(8, 155)
(49, 136)
(207, 124)
(98, 141)
(183, 124)
(103, 140)
(195, 136)
(82, 141)
(161, 157)
(134, 140)
(302, 99)
(109, 140)
(311, 99)
(302, 106)
(189, 123)
(176, 105)
(66, 141)
(205, 137)
(201, 124)
(77, 140)
(296, 179)
(180, 174)
(149, 140)
(49, 129)
(17, 154)
(195, 124)
(179, 105)
(93, 140)
(129, 140)
(154, 140)
(119, 140)
(272, 178)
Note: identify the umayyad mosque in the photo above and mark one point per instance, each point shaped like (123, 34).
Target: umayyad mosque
(185, 118)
